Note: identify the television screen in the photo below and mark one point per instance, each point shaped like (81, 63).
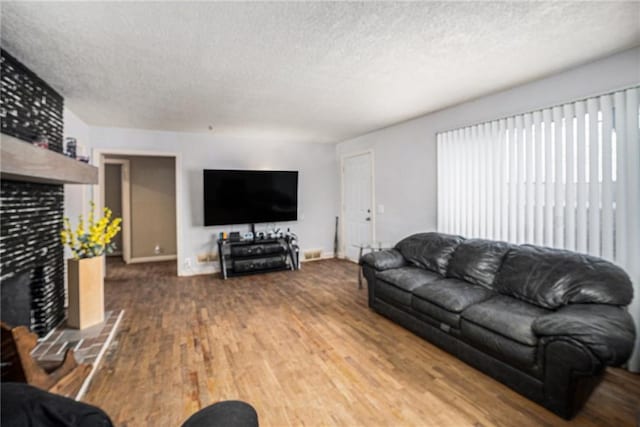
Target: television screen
(249, 197)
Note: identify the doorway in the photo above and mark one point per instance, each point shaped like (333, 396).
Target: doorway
(151, 210)
(357, 203)
(117, 192)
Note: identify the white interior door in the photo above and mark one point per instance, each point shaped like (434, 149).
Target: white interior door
(357, 203)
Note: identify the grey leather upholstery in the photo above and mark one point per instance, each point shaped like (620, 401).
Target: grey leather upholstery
(407, 278)
(604, 329)
(384, 260)
(429, 250)
(517, 354)
(396, 285)
(392, 294)
(477, 261)
(435, 314)
(508, 317)
(452, 294)
(543, 321)
(444, 299)
(552, 278)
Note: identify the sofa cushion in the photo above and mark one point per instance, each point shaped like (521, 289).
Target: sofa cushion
(435, 314)
(552, 278)
(499, 346)
(477, 261)
(506, 316)
(395, 286)
(407, 278)
(429, 250)
(444, 299)
(391, 294)
(452, 294)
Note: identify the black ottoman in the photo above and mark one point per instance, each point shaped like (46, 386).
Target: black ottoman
(229, 413)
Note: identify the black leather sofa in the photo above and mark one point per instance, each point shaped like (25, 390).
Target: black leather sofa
(543, 321)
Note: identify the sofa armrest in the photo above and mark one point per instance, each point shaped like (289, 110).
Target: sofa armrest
(607, 330)
(384, 260)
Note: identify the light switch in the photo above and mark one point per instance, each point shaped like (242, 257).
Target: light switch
(380, 209)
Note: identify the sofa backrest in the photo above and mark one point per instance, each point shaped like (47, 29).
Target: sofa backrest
(477, 261)
(552, 278)
(429, 250)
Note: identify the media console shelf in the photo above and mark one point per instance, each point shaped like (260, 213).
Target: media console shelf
(257, 256)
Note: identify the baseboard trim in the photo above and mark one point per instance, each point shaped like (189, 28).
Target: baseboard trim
(199, 271)
(158, 258)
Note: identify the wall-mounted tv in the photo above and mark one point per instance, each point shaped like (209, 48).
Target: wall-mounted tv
(249, 196)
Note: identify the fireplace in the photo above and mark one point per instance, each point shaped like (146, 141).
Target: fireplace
(16, 299)
(31, 254)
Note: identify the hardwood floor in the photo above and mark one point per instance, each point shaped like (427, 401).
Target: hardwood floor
(304, 349)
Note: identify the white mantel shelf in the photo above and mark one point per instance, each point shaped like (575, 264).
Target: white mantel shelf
(21, 161)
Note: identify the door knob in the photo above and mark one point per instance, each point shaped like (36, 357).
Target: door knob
(368, 218)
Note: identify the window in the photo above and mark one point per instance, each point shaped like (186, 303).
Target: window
(566, 177)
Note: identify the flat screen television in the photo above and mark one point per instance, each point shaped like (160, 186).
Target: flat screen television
(249, 196)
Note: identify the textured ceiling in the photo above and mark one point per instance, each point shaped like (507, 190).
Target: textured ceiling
(319, 72)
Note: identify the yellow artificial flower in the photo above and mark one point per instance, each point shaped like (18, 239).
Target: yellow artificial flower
(91, 212)
(93, 240)
(80, 229)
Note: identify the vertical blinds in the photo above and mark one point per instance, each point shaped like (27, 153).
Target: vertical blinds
(566, 177)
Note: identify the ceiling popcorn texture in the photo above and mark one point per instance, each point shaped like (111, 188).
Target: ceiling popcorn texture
(304, 72)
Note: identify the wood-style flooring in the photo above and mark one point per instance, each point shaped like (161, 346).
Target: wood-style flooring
(303, 349)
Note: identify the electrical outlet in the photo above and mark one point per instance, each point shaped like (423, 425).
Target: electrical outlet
(187, 262)
(157, 249)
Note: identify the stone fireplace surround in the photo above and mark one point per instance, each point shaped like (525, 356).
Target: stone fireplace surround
(31, 254)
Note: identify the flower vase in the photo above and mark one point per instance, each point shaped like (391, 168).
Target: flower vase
(86, 292)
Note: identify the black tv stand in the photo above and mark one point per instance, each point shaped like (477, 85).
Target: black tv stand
(252, 256)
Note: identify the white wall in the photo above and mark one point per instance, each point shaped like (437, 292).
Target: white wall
(318, 182)
(76, 196)
(405, 154)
